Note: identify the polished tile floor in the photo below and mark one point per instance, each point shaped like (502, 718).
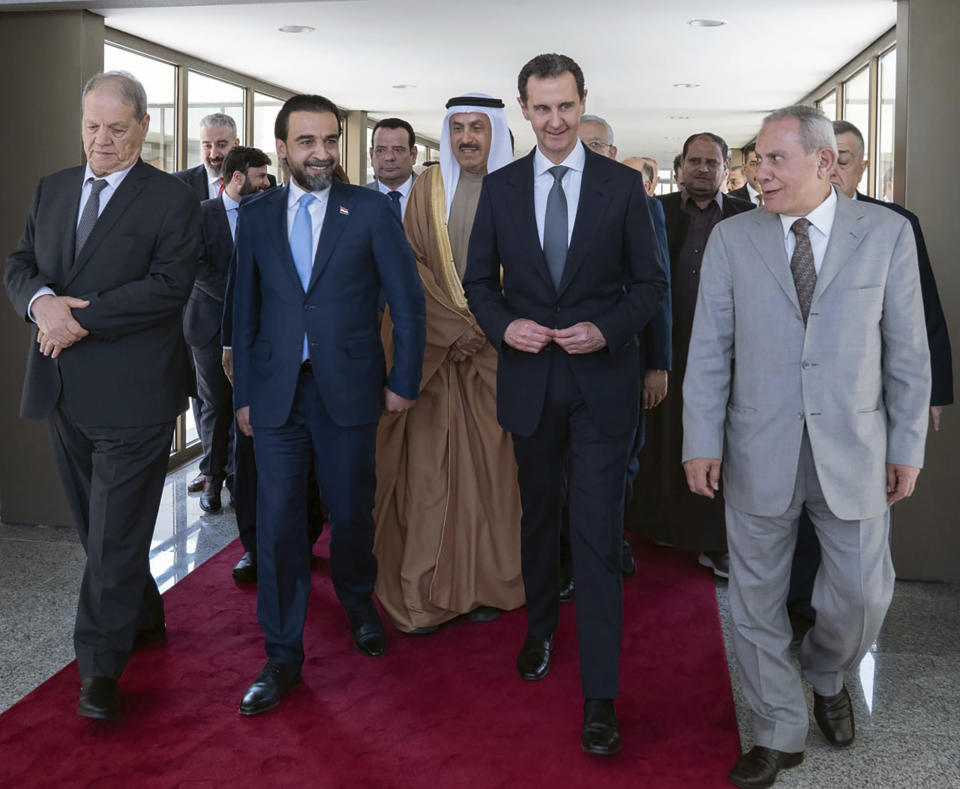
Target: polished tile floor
(906, 694)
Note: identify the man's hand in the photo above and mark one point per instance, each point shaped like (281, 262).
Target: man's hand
(935, 412)
(901, 481)
(467, 344)
(243, 421)
(57, 328)
(654, 388)
(394, 404)
(580, 338)
(703, 476)
(227, 362)
(528, 336)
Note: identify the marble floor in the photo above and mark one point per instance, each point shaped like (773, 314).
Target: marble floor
(906, 694)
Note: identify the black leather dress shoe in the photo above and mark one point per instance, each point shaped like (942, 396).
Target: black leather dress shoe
(98, 698)
(271, 685)
(196, 484)
(629, 563)
(210, 498)
(567, 588)
(150, 635)
(758, 767)
(718, 561)
(483, 613)
(245, 571)
(368, 633)
(600, 735)
(533, 662)
(834, 716)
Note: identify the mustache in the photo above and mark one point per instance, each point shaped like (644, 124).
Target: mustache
(318, 163)
(468, 146)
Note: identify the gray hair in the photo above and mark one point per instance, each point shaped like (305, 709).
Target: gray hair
(602, 122)
(816, 129)
(219, 119)
(131, 91)
(845, 127)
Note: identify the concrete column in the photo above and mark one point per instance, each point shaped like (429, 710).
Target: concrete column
(354, 147)
(926, 540)
(46, 58)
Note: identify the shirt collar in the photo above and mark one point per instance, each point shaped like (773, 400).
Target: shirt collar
(820, 217)
(718, 198)
(403, 189)
(113, 179)
(228, 202)
(751, 191)
(296, 193)
(575, 160)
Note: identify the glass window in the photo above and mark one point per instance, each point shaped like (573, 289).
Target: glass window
(206, 95)
(828, 104)
(666, 184)
(265, 109)
(884, 157)
(367, 145)
(856, 110)
(160, 82)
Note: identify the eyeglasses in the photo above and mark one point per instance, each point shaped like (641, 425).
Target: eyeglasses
(598, 145)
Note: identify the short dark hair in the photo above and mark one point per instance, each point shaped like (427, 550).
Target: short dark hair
(845, 127)
(394, 123)
(547, 66)
(303, 102)
(724, 150)
(750, 147)
(677, 161)
(240, 159)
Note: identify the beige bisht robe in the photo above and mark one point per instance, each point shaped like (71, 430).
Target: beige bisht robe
(448, 505)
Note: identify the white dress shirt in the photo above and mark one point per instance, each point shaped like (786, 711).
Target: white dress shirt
(403, 189)
(213, 186)
(113, 181)
(543, 183)
(754, 194)
(821, 223)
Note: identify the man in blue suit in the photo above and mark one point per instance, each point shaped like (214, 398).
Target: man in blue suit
(310, 380)
(581, 276)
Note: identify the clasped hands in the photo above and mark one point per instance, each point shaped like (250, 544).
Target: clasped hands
(467, 344)
(57, 329)
(530, 337)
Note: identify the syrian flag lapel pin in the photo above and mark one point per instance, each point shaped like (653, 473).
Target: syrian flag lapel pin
(344, 210)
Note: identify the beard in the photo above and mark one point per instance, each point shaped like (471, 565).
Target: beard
(315, 182)
(214, 169)
(249, 189)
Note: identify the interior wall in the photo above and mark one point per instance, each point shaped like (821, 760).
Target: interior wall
(46, 58)
(926, 540)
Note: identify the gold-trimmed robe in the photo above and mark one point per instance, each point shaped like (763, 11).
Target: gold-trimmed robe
(448, 504)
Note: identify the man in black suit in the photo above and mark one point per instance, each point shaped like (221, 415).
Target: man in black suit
(244, 172)
(103, 269)
(581, 277)
(750, 191)
(851, 165)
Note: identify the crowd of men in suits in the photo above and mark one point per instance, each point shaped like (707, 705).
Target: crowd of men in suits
(591, 293)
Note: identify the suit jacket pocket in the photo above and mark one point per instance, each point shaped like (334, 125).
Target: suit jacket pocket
(741, 409)
(362, 349)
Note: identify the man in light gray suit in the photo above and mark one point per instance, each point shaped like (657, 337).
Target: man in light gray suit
(817, 297)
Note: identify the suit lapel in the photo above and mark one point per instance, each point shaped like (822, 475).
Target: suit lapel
(521, 201)
(127, 192)
(335, 220)
(767, 237)
(71, 209)
(590, 209)
(849, 227)
(281, 196)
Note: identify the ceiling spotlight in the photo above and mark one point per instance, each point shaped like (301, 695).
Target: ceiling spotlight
(402, 87)
(706, 22)
(679, 117)
(296, 29)
(686, 84)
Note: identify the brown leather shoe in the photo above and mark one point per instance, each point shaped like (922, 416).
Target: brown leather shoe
(834, 716)
(195, 485)
(758, 767)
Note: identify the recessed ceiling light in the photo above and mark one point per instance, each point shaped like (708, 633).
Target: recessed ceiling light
(706, 22)
(402, 87)
(679, 117)
(686, 84)
(296, 29)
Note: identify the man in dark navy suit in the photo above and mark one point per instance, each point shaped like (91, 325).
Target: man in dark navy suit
(244, 172)
(103, 269)
(851, 165)
(310, 380)
(581, 277)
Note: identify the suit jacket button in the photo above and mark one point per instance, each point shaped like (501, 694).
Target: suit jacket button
(805, 365)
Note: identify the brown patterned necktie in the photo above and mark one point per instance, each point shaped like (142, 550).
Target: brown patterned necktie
(801, 266)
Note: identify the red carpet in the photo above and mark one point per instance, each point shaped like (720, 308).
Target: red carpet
(446, 710)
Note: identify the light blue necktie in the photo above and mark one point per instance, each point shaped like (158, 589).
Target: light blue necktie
(555, 232)
(232, 221)
(301, 247)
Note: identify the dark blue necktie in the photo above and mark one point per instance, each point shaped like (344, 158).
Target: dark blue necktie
(555, 234)
(395, 200)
